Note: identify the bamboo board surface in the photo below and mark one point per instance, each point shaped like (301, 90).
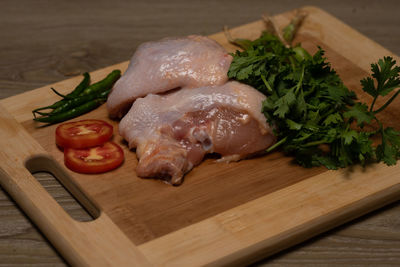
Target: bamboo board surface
(226, 213)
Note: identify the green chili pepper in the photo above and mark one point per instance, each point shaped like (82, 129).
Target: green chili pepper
(104, 84)
(82, 86)
(77, 91)
(83, 99)
(72, 113)
(77, 101)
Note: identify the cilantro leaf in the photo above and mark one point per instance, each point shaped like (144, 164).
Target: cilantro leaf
(333, 119)
(386, 75)
(368, 86)
(293, 125)
(392, 136)
(387, 79)
(360, 112)
(349, 136)
(388, 150)
(283, 104)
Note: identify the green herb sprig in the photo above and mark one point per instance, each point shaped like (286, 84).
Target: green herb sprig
(318, 119)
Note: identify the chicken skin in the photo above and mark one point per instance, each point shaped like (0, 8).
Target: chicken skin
(157, 67)
(173, 132)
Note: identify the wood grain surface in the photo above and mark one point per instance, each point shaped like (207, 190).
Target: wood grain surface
(44, 42)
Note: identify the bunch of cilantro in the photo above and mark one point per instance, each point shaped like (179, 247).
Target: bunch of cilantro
(317, 118)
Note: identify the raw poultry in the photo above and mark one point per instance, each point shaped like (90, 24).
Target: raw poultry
(157, 67)
(173, 132)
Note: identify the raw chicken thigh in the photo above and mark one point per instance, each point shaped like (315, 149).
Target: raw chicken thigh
(173, 132)
(157, 67)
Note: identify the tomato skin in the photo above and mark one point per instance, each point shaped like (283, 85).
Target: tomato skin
(98, 159)
(83, 134)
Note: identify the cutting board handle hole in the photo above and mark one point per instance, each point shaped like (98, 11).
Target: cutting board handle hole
(58, 184)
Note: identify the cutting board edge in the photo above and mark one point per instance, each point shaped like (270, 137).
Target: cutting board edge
(261, 250)
(244, 231)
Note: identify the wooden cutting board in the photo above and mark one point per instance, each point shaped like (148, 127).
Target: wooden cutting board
(222, 213)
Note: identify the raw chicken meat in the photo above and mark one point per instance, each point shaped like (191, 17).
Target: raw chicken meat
(171, 63)
(173, 132)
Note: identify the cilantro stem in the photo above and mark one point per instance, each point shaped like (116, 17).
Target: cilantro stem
(310, 91)
(386, 104)
(373, 103)
(266, 83)
(315, 143)
(300, 83)
(292, 63)
(283, 140)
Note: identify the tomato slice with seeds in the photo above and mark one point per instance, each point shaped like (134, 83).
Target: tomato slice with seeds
(84, 133)
(98, 159)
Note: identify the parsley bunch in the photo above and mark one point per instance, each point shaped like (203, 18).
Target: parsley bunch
(316, 117)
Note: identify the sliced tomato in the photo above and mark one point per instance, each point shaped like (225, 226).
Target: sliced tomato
(98, 159)
(84, 133)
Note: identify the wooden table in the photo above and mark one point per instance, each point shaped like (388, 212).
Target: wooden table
(47, 41)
